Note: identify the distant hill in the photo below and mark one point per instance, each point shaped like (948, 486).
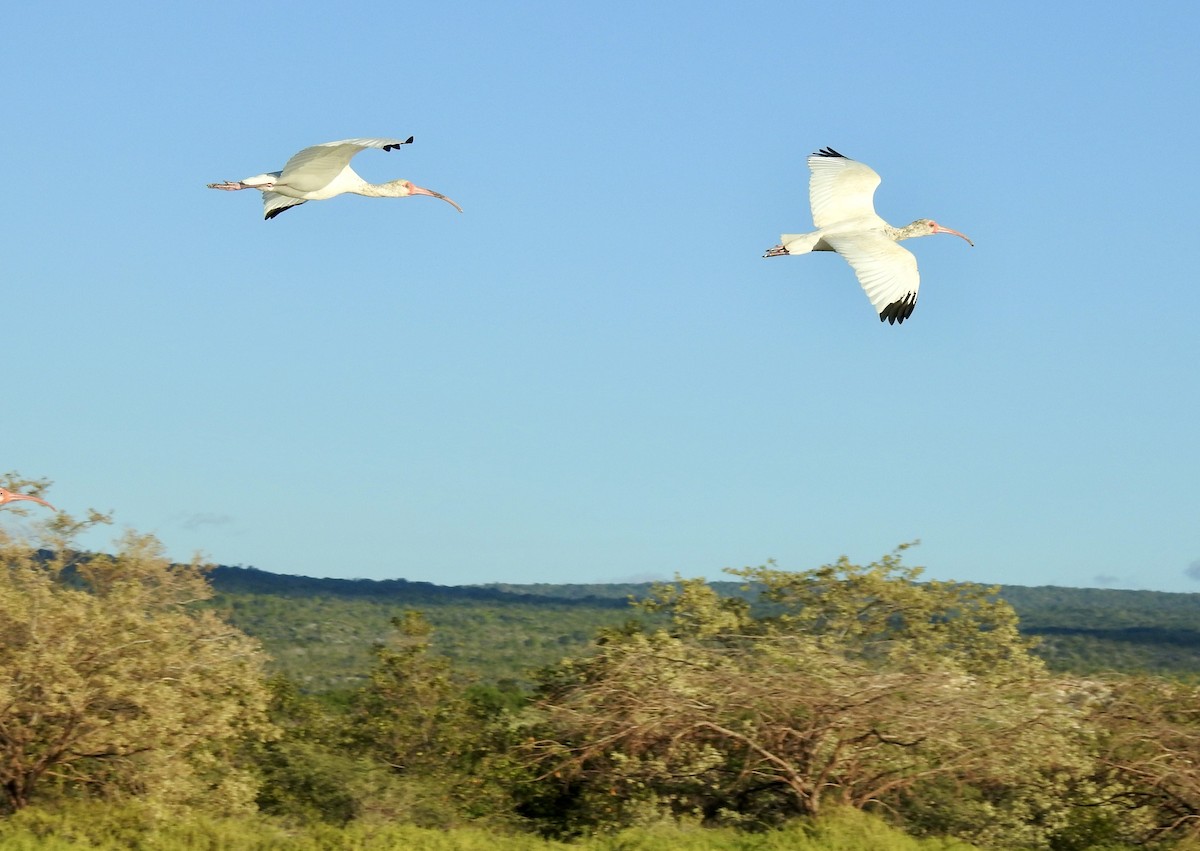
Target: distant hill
(1091, 630)
(250, 580)
(320, 631)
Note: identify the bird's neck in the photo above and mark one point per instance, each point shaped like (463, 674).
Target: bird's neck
(917, 228)
(391, 189)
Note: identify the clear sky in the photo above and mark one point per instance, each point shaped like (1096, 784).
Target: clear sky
(592, 374)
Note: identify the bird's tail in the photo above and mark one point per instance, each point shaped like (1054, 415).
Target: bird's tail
(792, 243)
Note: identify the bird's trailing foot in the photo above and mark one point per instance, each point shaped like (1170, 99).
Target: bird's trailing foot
(777, 251)
(234, 185)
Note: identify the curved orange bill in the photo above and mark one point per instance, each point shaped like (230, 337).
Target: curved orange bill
(417, 190)
(943, 229)
(12, 496)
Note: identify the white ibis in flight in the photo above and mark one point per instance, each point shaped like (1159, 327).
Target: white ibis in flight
(323, 171)
(841, 192)
(7, 496)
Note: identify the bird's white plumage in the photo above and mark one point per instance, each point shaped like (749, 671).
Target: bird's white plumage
(841, 189)
(323, 171)
(886, 272)
(275, 203)
(314, 168)
(841, 192)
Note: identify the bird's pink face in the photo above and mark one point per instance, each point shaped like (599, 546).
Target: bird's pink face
(7, 496)
(413, 189)
(934, 227)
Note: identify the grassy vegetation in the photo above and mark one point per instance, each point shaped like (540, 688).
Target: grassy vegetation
(98, 828)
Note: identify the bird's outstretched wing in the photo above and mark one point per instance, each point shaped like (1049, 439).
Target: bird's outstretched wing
(274, 204)
(887, 272)
(840, 188)
(312, 168)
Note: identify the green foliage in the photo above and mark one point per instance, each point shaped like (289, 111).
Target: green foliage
(130, 828)
(418, 743)
(306, 774)
(112, 682)
(1097, 630)
(930, 685)
(410, 712)
(858, 686)
(319, 632)
(1149, 752)
(882, 614)
(325, 641)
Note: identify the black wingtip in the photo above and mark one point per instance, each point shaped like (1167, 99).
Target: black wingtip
(828, 152)
(899, 310)
(407, 141)
(275, 212)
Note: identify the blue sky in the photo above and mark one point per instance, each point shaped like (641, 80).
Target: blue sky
(592, 374)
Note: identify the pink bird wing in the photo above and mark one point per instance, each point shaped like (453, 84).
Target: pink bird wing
(840, 189)
(888, 273)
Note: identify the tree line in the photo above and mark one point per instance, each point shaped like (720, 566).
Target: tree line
(860, 687)
(319, 631)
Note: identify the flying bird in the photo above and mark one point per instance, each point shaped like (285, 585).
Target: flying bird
(323, 171)
(841, 192)
(7, 496)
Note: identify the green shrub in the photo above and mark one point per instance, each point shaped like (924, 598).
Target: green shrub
(133, 828)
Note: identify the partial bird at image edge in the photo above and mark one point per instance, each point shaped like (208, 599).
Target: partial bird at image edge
(7, 496)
